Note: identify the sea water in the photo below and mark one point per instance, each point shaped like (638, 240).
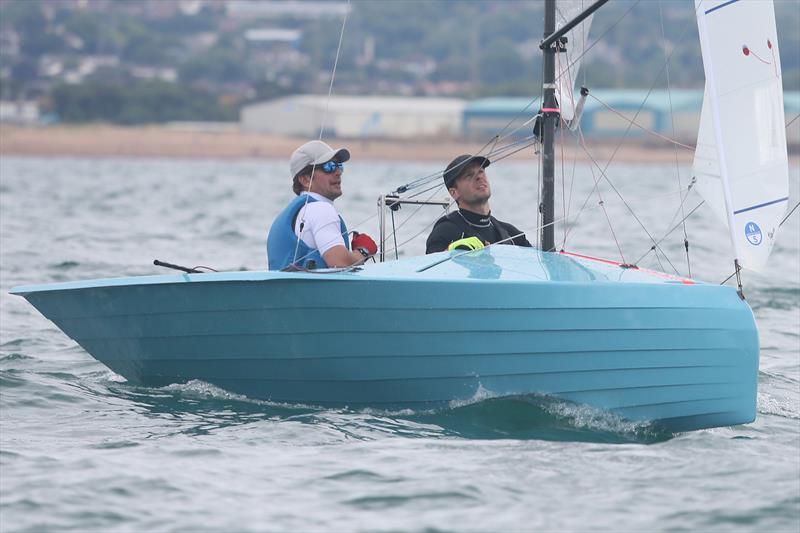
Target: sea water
(82, 450)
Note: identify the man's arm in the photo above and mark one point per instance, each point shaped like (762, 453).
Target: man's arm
(339, 256)
(321, 223)
(443, 233)
(519, 238)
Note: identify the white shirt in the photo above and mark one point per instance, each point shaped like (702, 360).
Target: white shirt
(320, 224)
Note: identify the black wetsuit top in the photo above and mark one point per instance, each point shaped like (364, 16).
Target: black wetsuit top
(462, 223)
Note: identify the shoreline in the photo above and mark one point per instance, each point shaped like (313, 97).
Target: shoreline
(172, 142)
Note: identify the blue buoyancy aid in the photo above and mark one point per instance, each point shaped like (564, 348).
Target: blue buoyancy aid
(282, 241)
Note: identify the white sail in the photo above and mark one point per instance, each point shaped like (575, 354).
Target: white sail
(568, 64)
(741, 163)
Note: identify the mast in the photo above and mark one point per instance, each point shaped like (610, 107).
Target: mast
(553, 43)
(550, 114)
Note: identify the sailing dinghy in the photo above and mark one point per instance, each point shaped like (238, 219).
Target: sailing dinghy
(426, 331)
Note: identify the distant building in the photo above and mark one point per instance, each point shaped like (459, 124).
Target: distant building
(154, 73)
(356, 117)
(287, 8)
(9, 40)
(19, 112)
(87, 65)
(272, 35)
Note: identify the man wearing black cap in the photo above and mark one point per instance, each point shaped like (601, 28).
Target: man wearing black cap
(472, 226)
(309, 233)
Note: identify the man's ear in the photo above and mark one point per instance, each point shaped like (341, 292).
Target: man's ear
(454, 193)
(305, 181)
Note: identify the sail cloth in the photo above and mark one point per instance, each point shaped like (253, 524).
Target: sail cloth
(568, 64)
(741, 163)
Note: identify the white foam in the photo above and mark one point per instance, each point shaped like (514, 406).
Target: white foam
(769, 405)
(593, 418)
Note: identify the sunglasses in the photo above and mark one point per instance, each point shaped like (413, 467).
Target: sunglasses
(331, 166)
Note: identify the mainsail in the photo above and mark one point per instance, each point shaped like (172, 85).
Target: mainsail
(568, 63)
(741, 163)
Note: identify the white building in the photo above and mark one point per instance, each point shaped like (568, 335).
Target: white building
(19, 112)
(250, 9)
(356, 117)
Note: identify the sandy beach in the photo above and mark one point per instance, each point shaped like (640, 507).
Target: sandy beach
(166, 141)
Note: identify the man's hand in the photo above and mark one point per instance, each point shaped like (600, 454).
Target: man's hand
(468, 243)
(362, 241)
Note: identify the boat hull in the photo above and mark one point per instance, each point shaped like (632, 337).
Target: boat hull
(682, 355)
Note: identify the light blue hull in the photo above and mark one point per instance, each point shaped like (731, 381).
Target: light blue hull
(504, 321)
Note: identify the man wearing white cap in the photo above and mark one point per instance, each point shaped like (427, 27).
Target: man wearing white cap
(309, 233)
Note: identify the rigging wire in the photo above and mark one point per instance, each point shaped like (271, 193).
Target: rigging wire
(499, 137)
(597, 182)
(322, 129)
(676, 226)
(602, 35)
(672, 125)
(502, 135)
(394, 236)
(790, 214)
(570, 92)
(505, 151)
(738, 270)
(435, 189)
(619, 145)
(567, 202)
(651, 132)
(536, 229)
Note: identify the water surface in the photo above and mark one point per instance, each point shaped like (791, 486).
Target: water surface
(82, 450)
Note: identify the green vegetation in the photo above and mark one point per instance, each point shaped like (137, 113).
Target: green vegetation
(143, 102)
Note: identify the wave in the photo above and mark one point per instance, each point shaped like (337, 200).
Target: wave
(779, 298)
(782, 407)
(541, 418)
(529, 417)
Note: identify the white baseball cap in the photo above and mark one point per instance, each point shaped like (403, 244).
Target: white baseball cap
(315, 153)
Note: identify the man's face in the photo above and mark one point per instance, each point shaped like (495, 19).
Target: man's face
(327, 184)
(472, 186)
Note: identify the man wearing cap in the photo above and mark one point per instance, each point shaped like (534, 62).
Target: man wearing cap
(472, 226)
(309, 233)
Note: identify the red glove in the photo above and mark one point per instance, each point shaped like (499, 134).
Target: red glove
(362, 240)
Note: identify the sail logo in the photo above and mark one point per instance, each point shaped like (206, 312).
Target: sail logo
(753, 233)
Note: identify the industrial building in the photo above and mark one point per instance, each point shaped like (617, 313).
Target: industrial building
(356, 117)
(607, 114)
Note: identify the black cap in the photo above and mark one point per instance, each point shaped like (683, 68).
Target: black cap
(459, 164)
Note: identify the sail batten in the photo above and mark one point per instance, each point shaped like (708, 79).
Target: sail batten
(741, 162)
